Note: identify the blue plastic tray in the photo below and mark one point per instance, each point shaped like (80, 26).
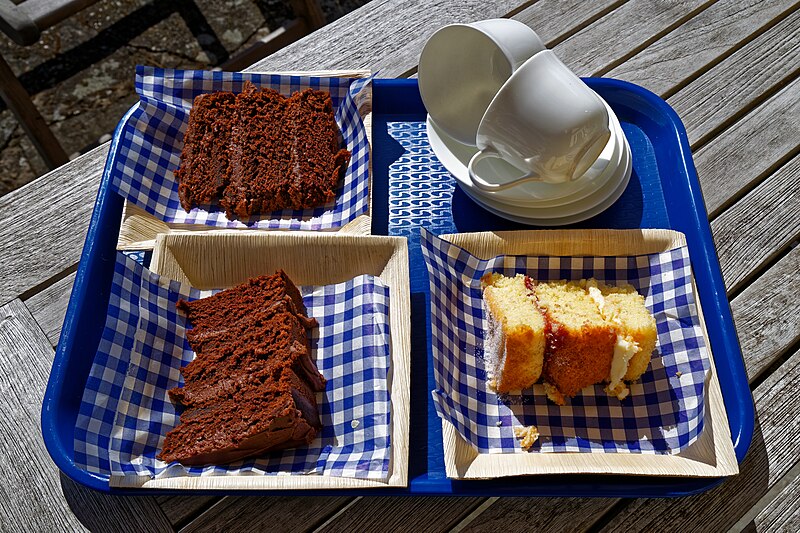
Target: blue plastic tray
(663, 193)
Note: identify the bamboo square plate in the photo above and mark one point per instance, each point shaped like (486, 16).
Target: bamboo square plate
(139, 228)
(712, 454)
(221, 259)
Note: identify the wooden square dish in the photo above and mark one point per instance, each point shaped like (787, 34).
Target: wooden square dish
(712, 455)
(222, 259)
(139, 228)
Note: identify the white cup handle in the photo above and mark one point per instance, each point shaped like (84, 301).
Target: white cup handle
(483, 185)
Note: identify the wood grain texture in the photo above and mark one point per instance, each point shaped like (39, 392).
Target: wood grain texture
(34, 496)
(783, 512)
(385, 36)
(623, 32)
(772, 453)
(740, 81)
(676, 57)
(284, 513)
(30, 495)
(57, 208)
(49, 307)
(100, 512)
(180, 510)
(759, 225)
(380, 39)
(554, 19)
(744, 153)
(520, 515)
(767, 314)
(402, 514)
(218, 259)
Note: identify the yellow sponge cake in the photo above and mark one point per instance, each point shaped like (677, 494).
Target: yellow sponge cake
(572, 334)
(515, 339)
(580, 341)
(624, 309)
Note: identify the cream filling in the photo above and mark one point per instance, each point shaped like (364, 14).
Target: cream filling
(624, 350)
(596, 295)
(624, 347)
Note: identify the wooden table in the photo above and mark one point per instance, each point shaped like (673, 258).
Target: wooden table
(729, 68)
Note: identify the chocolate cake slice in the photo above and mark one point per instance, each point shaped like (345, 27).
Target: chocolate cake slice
(317, 163)
(250, 388)
(227, 307)
(260, 156)
(271, 337)
(258, 152)
(202, 174)
(269, 415)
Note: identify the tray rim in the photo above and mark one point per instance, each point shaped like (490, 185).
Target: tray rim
(394, 96)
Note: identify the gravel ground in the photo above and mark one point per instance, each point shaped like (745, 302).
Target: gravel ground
(80, 73)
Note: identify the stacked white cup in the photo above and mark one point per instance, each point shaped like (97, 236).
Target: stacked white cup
(523, 135)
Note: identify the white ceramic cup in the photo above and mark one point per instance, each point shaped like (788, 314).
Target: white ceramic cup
(545, 121)
(462, 66)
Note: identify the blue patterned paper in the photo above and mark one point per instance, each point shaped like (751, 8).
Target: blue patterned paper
(663, 413)
(126, 412)
(148, 147)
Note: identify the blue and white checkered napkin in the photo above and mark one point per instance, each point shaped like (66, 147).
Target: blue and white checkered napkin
(662, 415)
(148, 147)
(126, 412)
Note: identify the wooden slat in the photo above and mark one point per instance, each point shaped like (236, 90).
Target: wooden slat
(180, 510)
(33, 496)
(675, 58)
(286, 513)
(104, 512)
(767, 314)
(783, 512)
(623, 32)
(43, 224)
(737, 83)
(402, 514)
(512, 515)
(748, 150)
(385, 36)
(34, 124)
(30, 495)
(773, 451)
(49, 307)
(759, 225)
(553, 19)
(409, 60)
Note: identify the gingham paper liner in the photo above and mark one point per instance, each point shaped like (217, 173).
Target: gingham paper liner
(664, 412)
(125, 411)
(151, 140)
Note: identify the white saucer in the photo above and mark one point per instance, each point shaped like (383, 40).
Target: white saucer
(619, 174)
(455, 156)
(552, 216)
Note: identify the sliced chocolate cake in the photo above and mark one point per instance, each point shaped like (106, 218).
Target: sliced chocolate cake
(202, 175)
(250, 388)
(265, 152)
(260, 156)
(268, 415)
(317, 162)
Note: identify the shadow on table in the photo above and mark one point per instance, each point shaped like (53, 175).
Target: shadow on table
(100, 512)
(721, 507)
